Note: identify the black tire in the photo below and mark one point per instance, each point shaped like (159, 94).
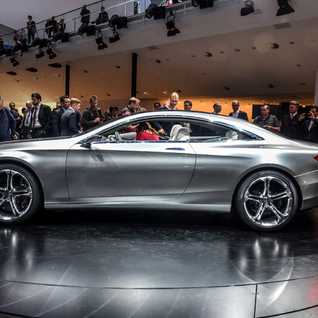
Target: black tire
(266, 200)
(20, 195)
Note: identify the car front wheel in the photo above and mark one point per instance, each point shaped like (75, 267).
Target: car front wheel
(266, 200)
(20, 196)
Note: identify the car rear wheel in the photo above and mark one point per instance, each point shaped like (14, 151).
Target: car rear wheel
(20, 196)
(266, 200)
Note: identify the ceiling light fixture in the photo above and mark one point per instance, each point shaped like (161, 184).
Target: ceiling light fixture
(284, 7)
(116, 21)
(248, 9)
(101, 44)
(156, 12)
(115, 37)
(203, 4)
(3, 51)
(51, 54)
(40, 54)
(172, 30)
(14, 61)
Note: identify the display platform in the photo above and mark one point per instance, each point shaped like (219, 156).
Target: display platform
(134, 264)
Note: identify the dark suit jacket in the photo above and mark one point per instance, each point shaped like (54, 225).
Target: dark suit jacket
(56, 121)
(290, 127)
(87, 17)
(312, 134)
(45, 119)
(241, 115)
(69, 123)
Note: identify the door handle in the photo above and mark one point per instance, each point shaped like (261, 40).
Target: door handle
(179, 149)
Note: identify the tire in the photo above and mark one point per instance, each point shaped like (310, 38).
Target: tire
(20, 195)
(266, 200)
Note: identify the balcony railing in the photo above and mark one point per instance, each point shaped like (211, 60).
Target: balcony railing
(72, 19)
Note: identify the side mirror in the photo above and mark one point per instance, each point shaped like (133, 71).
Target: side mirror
(88, 142)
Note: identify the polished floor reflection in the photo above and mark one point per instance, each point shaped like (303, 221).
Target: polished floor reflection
(119, 264)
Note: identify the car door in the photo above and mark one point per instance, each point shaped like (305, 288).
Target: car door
(135, 170)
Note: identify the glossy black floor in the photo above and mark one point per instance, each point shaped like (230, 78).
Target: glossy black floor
(92, 264)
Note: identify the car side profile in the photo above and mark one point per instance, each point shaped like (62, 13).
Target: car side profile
(209, 163)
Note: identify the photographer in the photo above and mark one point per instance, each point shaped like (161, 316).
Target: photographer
(309, 127)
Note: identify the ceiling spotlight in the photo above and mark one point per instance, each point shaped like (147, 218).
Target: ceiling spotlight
(203, 3)
(51, 54)
(14, 61)
(284, 8)
(36, 42)
(44, 43)
(9, 52)
(114, 38)
(156, 12)
(17, 47)
(249, 8)
(100, 42)
(116, 21)
(172, 30)
(40, 54)
(3, 51)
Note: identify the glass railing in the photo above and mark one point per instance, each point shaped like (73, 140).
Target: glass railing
(72, 19)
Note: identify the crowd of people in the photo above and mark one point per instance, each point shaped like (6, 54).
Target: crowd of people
(53, 28)
(38, 121)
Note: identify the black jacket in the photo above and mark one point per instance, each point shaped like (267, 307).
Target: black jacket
(56, 121)
(241, 115)
(69, 123)
(88, 118)
(45, 119)
(290, 127)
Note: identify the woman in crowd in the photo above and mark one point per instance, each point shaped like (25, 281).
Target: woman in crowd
(146, 132)
(111, 112)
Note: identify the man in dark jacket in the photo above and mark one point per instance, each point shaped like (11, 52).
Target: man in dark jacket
(69, 119)
(92, 116)
(7, 124)
(57, 115)
(85, 15)
(290, 126)
(41, 118)
(237, 113)
(309, 125)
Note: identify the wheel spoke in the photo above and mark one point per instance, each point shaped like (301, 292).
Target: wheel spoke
(267, 184)
(23, 193)
(259, 212)
(2, 200)
(282, 195)
(14, 208)
(253, 197)
(280, 216)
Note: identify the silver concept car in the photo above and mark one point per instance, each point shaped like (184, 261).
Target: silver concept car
(210, 163)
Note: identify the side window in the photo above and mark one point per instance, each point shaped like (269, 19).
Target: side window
(210, 132)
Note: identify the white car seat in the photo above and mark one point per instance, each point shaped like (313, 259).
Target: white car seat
(180, 133)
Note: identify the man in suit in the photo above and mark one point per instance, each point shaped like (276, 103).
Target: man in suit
(290, 126)
(57, 115)
(309, 127)
(69, 119)
(26, 120)
(237, 113)
(41, 118)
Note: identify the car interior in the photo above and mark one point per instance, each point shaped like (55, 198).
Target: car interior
(190, 131)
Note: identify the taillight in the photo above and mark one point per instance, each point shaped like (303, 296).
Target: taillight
(316, 158)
